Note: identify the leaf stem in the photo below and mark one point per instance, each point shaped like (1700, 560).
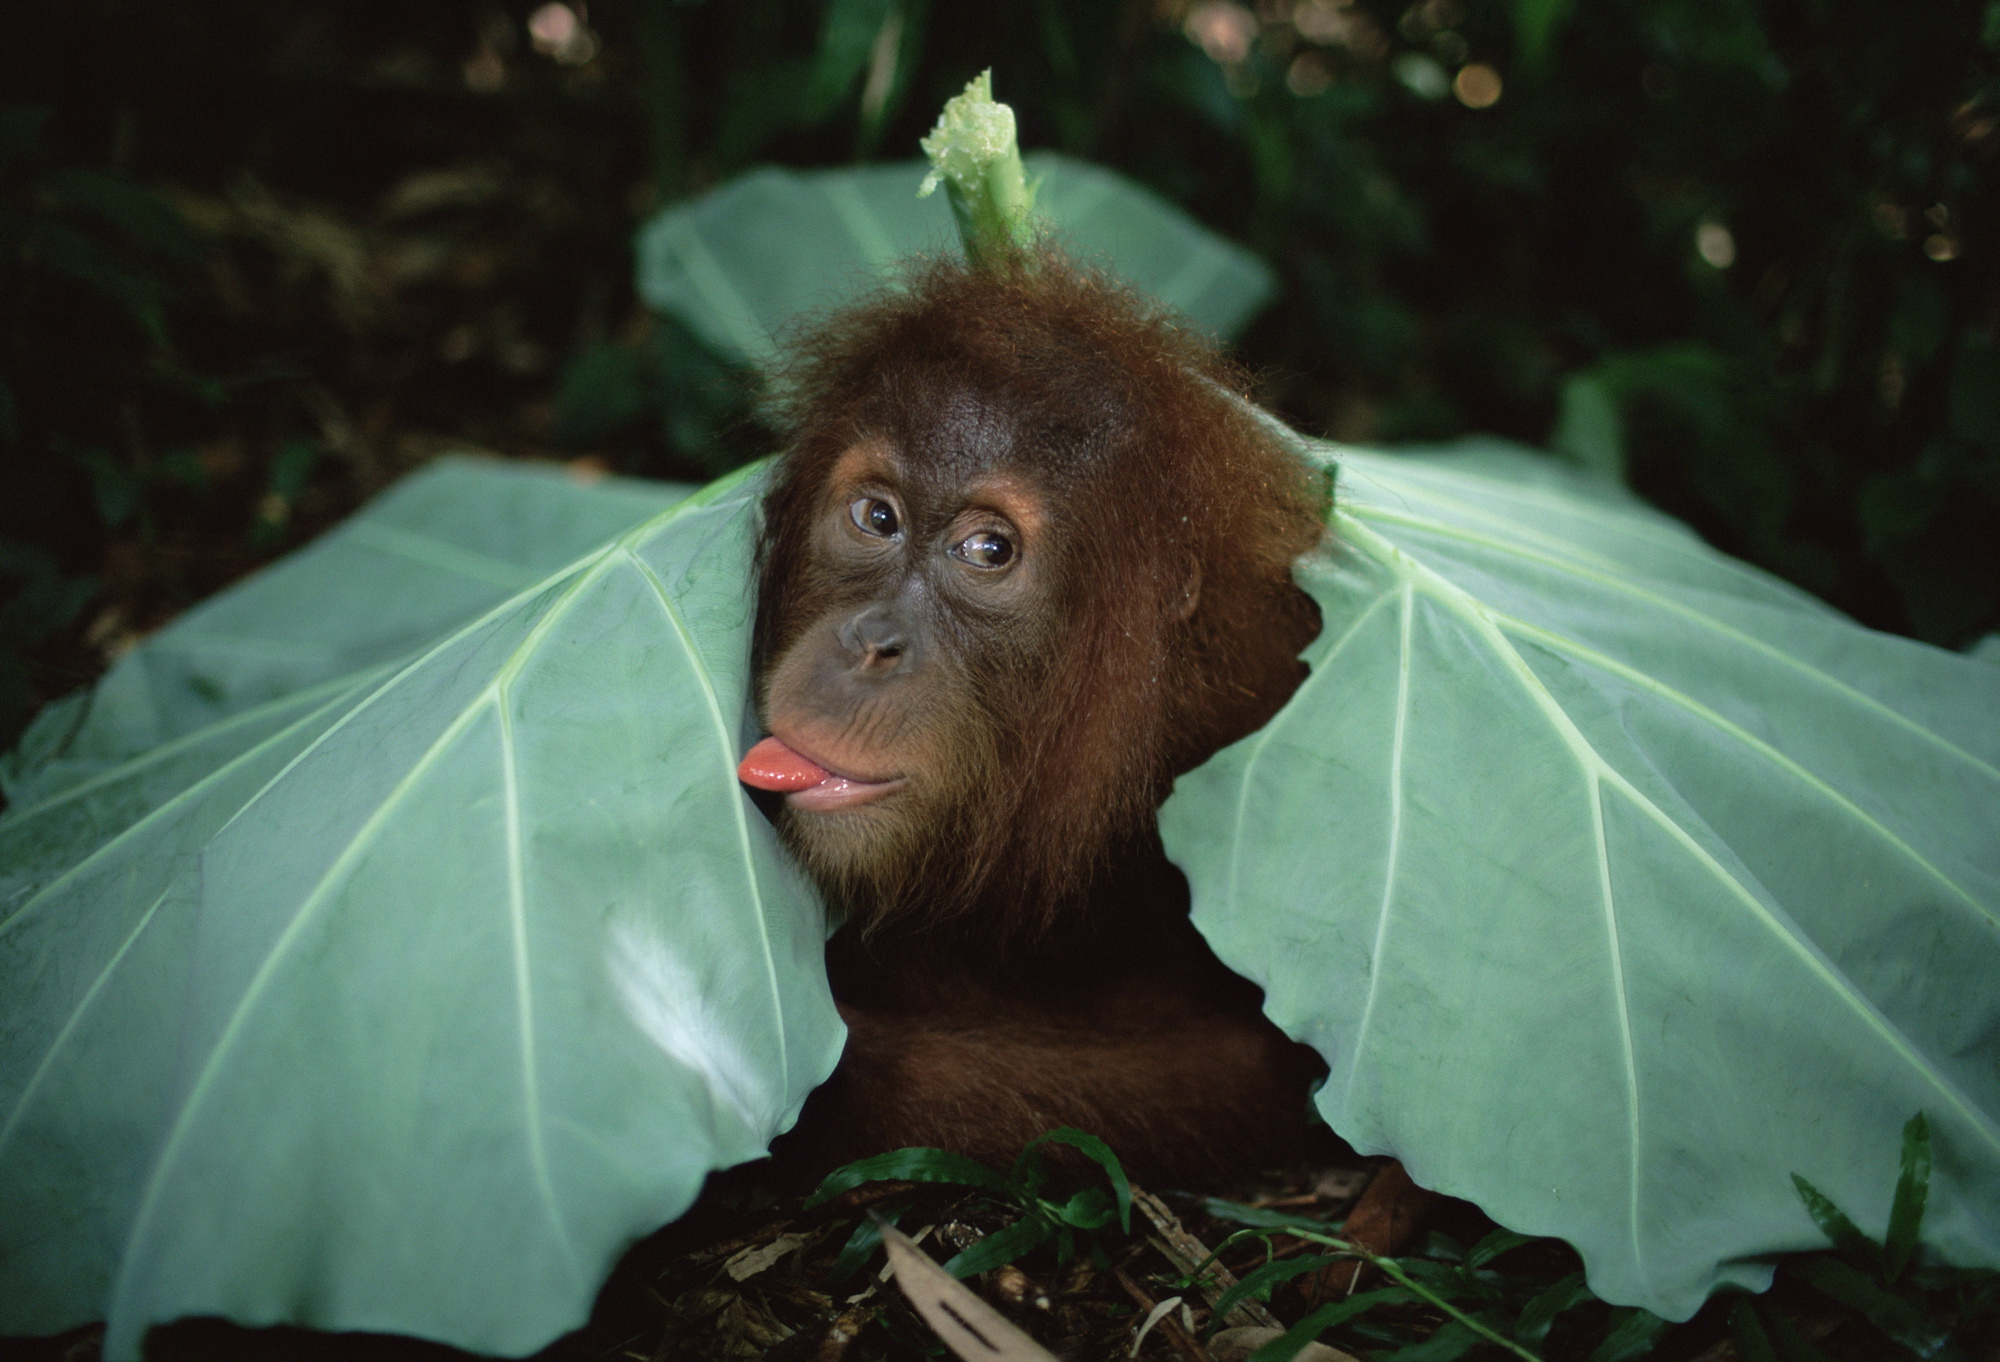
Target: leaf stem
(975, 156)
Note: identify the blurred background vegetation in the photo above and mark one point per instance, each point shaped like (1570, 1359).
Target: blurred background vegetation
(258, 259)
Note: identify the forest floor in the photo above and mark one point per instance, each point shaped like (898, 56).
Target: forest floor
(752, 1273)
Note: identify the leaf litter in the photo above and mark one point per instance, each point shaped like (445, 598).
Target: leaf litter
(759, 1269)
(1230, 1273)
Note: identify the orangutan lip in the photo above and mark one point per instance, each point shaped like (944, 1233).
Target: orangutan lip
(810, 784)
(839, 792)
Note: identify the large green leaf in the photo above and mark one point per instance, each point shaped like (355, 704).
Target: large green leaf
(738, 265)
(408, 1001)
(1617, 881)
(446, 543)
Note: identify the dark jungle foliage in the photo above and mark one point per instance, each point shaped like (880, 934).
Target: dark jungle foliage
(257, 259)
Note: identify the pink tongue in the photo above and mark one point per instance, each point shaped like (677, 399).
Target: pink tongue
(771, 765)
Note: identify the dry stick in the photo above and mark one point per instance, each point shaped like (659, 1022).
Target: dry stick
(1190, 1347)
(1188, 1254)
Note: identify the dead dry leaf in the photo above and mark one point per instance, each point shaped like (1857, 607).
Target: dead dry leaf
(967, 1325)
(1338, 1184)
(743, 1329)
(1158, 1313)
(1383, 1222)
(757, 1257)
(1234, 1345)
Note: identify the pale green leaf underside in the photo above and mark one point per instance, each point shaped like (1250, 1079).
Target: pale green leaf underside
(738, 265)
(441, 546)
(1615, 881)
(407, 1002)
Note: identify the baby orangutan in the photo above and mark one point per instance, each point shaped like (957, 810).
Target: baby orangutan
(1024, 561)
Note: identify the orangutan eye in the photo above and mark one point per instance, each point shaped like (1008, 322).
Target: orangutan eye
(984, 549)
(874, 517)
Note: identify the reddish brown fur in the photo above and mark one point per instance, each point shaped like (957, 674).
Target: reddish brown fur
(1027, 959)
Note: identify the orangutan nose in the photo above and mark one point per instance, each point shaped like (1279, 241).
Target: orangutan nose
(879, 643)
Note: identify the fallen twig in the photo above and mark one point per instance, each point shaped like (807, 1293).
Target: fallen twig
(1188, 1255)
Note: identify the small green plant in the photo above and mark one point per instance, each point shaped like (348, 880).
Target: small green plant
(1920, 1311)
(1491, 1294)
(1505, 1312)
(1031, 1185)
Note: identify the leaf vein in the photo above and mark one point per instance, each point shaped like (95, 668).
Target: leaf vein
(1484, 619)
(726, 740)
(524, 997)
(320, 892)
(1406, 605)
(75, 1019)
(1626, 1049)
(1261, 741)
(1709, 622)
(1756, 745)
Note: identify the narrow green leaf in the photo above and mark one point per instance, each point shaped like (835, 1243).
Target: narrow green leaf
(1632, 1334)
(1834, 1224)
(1752, 1344)
(1230, 1242)
(1449, 1281)
(1936, 1278)
(1903, 1320)
(1099, 1153)
(1002, 1246)
(908, 1165)
(848, 30)
(1259, 1218)
(1324, 1318)
(867, 1237)
(1259, 1283)
(1398, 1272)
(1029, 1175)
(1540, 1313)
(1906, 1215)
(1495, 1244)
(894, 59)
(1452, 1340)
(1089, 1209)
